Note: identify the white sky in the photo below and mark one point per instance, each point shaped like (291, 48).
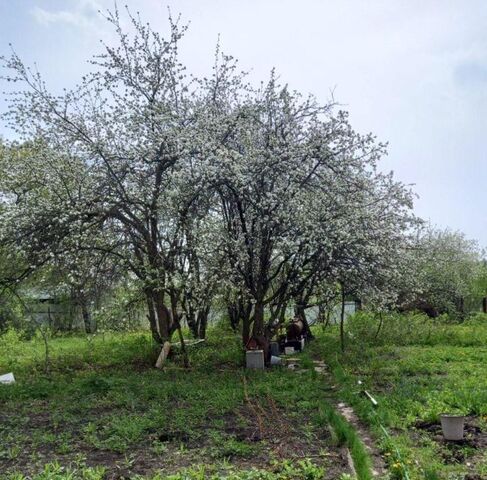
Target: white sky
(412, 72)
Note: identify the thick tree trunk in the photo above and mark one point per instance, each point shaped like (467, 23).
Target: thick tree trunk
(151, 315)
(160, 319)
(259, 332)
(258, 323)
(166, 348)
(183, 346)
(197, 322)
(245, 310)
(239, 311)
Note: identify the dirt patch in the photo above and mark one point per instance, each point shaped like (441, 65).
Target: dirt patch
(474, 436)
(276, 431)
(468, 451)
(254, 435)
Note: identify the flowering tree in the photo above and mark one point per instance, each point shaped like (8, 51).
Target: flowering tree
(198, 186)
(127, 129)
(446, 268)
(300, 200)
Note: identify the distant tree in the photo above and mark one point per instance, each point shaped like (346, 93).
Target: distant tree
(479, 284)
(445, 266)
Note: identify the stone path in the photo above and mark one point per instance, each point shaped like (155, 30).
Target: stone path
(378, 464)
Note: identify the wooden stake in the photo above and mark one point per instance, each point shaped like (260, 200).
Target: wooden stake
(163, 355)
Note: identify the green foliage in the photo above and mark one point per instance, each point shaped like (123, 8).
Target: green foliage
(55, 471)
(300, 470)
(346, 435)
(11, 342)
(70, 353)
(121, 311)
(229, 447)
(447, 269)
(364, 329)
(103, 395)
(417, 368)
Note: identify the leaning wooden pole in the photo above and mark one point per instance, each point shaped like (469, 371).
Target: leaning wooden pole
(166, 348)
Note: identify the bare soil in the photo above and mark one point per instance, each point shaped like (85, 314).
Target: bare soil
(275, 434)
(468, 451)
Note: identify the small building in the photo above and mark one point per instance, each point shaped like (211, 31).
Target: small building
(46, 308)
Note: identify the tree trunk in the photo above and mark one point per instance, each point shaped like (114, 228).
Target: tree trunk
(89, 327)
(239, 310)
(151, 315)
(177, 326)
(183, 346)
(192, 322)
(462, 308)
(166, 348)
(258, 324)
(379, 327)
(234, 314)
(197, 322)
(328, 316)
(202, 322)
(342, 321)
(300, 312)
(160, 319)
(246, 324)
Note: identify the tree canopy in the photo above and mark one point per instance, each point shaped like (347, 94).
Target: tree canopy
(197, 187)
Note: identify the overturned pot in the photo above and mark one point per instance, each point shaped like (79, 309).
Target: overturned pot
(452, 426)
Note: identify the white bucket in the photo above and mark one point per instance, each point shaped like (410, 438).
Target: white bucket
(276, 360)
(7, 378)
(452, 426)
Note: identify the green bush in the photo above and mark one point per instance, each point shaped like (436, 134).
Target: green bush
(367, 328)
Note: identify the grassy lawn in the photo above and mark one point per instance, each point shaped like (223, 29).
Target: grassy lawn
(417, 369)
(103, 412)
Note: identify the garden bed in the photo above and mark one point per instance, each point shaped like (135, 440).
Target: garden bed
(122, 419)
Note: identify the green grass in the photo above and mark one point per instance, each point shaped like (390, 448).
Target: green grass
(101, 410)
(417, 369)
(300, 470)
(346, 435)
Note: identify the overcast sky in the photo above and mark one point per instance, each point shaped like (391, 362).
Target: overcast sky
(412, 72)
